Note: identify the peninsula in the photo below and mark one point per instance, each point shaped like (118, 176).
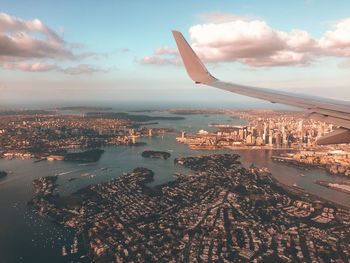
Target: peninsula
(221, 212)
(156, 154)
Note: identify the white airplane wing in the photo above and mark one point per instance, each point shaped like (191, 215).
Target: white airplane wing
(322, 109)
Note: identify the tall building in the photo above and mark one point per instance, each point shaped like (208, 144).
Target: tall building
(270, 140)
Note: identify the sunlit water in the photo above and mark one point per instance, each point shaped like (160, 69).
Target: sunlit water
(26, 237)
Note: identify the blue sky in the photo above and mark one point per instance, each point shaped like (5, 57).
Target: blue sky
(121, 34)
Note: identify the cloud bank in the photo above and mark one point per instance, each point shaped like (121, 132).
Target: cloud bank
(231, 38)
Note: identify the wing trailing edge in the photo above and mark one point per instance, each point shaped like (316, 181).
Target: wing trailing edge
(321, 109)
(335, 137)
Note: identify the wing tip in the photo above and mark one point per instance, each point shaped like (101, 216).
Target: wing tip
(194, 66)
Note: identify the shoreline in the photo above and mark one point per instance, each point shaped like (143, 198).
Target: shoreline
(253, 191)
(307, 166)
(303, 194)
(331, 185)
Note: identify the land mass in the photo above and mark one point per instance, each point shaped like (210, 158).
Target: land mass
(34, 134)
(156, 154)
(3, 174)
(87, 156)
(222, 212)
(334, 162)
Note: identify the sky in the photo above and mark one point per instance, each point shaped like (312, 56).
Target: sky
(121, 51)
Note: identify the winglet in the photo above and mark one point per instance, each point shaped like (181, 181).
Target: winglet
(194, 66)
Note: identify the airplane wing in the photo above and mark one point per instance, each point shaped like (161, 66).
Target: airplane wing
(322, 109)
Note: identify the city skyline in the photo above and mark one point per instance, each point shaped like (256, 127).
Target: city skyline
(93, 52)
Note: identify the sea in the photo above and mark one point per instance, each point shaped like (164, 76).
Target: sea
(27, 237)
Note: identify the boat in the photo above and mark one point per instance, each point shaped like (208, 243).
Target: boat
(302, 175)
(85, 174)
(64, 251)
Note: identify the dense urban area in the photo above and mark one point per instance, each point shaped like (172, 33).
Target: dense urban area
(266, 129)
(222, 212)
(50, 135)
(281, 130)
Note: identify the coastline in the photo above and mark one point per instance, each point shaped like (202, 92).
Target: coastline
(334, 186)
(301, 193)
(253, 191)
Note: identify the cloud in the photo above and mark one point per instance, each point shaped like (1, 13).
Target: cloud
(16, 39)
(81, 69)
(36, 67)
(25, 41)
(12, 24)
(337, 42)
(219, 17)
(61, 29)
(166, 51)
(254, 43)
(160, 61)
(232, 38)
(43, 67)
(25, 46)
(163, 56)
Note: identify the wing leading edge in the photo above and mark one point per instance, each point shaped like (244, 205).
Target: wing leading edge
(331, 111)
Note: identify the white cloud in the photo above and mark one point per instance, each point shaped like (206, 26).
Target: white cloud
(17, 41)
(24, 41)
(338, 38)
(233, 40)
(229, 38)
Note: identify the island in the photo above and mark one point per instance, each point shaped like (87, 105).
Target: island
(155, 154)
(221, 212)
(87, 156)
(3, 174)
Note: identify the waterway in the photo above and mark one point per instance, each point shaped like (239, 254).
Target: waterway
(26, 237)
